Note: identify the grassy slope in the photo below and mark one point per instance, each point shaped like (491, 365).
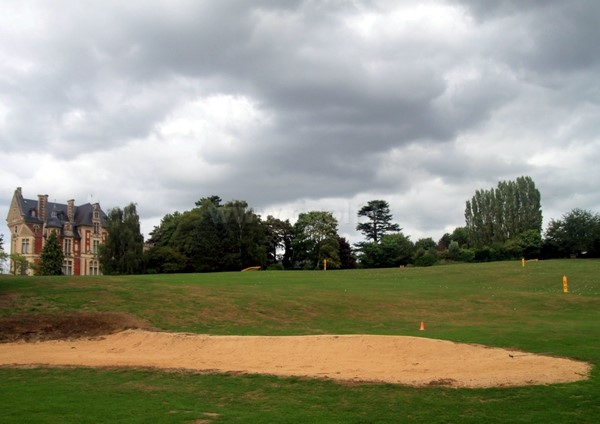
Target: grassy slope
(499, 304)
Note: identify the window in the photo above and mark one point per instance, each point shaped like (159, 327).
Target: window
(96, 215)
(67, 268)
(95, 245)
(93, 268)
(96, 227)
(67, 247)
(25, 246)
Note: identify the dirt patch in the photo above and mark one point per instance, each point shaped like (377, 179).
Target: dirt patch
(40, 327)
(412, 361)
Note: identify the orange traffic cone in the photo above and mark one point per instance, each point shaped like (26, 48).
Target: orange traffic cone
(422, 327)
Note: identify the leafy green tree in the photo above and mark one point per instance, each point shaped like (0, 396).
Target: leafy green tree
(500, 214)
(460, 235)
(220, 237)
(246, 241)
(526, 245)
(315, 239)
(164, 260)
(161, 234)
(279, 236)
(425, 257)
(379, 220)
(52, 257)
(200, 236)
(453, 251)
(122, 253)
(393, 250)
(425, 252)
(425, 244)
(576, 234)
(20, 264)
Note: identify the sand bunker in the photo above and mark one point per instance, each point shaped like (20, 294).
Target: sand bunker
(412, 361)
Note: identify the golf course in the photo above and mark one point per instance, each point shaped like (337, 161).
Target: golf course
(519, 313)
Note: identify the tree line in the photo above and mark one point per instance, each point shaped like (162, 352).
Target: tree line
(501, 223)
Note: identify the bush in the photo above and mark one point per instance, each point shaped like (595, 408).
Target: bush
(466, 255)
(275, 267)
(425, 257)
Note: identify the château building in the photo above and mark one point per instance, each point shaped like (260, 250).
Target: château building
(80, 229)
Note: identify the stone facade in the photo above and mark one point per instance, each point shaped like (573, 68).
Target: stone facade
(80, 229)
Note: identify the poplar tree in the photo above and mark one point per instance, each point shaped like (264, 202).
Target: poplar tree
(503, 213)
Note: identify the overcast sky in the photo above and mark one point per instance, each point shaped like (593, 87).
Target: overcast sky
(300, 105)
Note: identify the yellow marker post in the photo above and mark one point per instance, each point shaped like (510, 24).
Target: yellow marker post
(565, 284)
(324, 264)
(523, 262)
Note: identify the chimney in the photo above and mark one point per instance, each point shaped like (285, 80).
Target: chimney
(71, 210)
(42, 206)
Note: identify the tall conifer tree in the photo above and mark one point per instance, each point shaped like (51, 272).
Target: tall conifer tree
(52, 257)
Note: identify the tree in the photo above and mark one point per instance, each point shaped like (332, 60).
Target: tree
(279, 236)
(3, 254)
(425, 252)
(164, 260)
(453, 251)
(220, 237)
(393, 250)
(460, 235)
(425, 244)
(122, 253)
(316, 239)
(245, 241)
(379, 220)
(214, 200)
(20, 264)
(576, 234)
(347, 258)
(52, 257)
(500, 214)
(161, 234)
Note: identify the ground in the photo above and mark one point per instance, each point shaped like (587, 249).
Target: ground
(41, 327)
(119, 340)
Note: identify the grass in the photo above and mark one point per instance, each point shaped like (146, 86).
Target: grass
(497, 304)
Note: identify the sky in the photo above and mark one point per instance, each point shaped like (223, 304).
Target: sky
(296, 106)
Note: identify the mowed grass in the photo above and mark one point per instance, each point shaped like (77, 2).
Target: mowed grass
(497, 304)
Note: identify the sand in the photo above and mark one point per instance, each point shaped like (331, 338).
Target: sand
(414, 361)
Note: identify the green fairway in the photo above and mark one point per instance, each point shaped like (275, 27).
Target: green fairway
(497, 304)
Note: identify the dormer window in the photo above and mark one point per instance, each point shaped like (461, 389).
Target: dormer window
(96, 228)
(96, 215)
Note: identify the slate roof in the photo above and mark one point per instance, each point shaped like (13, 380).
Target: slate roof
(56, 214)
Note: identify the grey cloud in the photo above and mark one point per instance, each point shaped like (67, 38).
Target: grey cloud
(83, 78)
